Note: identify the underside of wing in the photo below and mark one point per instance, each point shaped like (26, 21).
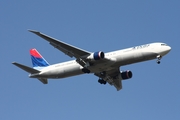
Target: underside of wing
(68, 49)
(112, 77)
(117, 83)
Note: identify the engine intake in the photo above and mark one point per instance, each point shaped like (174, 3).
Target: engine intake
(96, 56)
(126, 74)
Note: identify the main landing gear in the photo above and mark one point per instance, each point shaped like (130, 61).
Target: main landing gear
(101, 81)
(85, 70)
(159, 58)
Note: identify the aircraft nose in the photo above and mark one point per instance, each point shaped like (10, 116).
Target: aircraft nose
(168, 48)
(165, 50)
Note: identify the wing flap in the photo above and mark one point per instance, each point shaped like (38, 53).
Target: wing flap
(115, 81)
(65, 51)
(117, 84)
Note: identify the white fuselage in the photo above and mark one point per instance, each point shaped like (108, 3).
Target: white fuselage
(115, 59)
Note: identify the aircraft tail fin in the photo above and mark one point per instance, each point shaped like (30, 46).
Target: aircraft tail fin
(37, 59)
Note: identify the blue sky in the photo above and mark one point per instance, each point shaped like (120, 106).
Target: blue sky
(152, 93)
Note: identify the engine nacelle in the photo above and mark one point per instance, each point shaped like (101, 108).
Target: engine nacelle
(126, 74)
(96, 56)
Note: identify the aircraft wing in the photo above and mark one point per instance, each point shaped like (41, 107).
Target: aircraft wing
(112, 77)
(68, 49)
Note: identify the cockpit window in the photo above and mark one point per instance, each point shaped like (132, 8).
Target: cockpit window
(163, 44)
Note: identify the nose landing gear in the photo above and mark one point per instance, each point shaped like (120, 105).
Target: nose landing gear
(159, 58)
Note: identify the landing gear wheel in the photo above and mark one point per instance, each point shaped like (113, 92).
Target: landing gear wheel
(85, 70)
(158, 62)
(101, 81)
(159, 58)
(104, 82)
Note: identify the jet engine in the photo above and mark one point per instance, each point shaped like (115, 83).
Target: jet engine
(96, 56)
(126, 74)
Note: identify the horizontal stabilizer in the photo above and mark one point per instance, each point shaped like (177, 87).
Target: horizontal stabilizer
(26, 68)
(43, 80)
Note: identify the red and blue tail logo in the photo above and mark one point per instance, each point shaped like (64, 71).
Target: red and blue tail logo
(37, 59)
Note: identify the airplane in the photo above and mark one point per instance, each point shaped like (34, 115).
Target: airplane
(106, 66)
